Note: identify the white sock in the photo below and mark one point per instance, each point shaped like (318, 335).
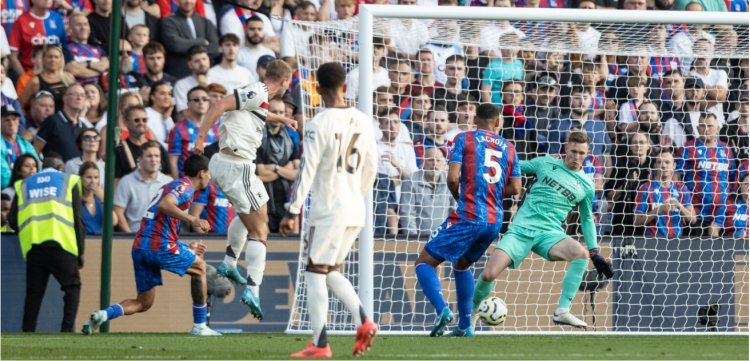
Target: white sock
(236, 238)
(255, 289)
(317, 304)
(201, 325)
(344, 291)
(561, 310)
(255, 255)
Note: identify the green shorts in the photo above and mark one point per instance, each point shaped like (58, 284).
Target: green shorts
(517, 242)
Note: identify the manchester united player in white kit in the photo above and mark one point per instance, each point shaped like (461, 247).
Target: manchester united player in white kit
(339, 164)
(233, 170)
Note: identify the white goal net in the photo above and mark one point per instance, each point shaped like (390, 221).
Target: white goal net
(644, 93)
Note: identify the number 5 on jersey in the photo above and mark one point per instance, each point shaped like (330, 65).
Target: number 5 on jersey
(491, 157)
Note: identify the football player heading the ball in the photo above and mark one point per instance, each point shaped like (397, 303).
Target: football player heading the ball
(233, 170)
(560, 186)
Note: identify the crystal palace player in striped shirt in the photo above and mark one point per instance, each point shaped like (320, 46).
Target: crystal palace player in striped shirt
(156, 247)
(212, 205)
(483, 168)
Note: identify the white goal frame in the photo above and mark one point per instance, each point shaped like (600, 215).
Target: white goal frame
(366, 17)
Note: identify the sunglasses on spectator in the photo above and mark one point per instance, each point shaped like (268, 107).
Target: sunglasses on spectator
(126, 52)
(139, 120)
(200, 99)
(43, 93)
(91, 138)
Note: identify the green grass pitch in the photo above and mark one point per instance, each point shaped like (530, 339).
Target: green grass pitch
(141, 346)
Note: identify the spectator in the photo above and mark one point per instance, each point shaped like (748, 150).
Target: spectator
(170, 7)
(580, 117)
(650, 124)
(154, 55)
(673, 88)
(199, 63)
(379, 73)
(634, 4)
(660, 65)
(228, 73)
(136, 12)
(407, 35)
(128, 79)
(305, 11)
(53, 242)
(465, 113)
(88, 142)
(587, 36)
(278, 164)
(184, 30)
(715, 80)
(634, 66)
(215, 93)
(421, 104)
(278, 13)
(5, 207)
(85, 61)
(96, 103)
(99, 21)
(42, 106)
(636, 96)
(342, 10)
(382, 102)
(124, 101)
(737, 212)
(37, 27)
(503, 68)
(138, 37)
(540, 111)
(53, 78)
(449, 93)
(705, 5)
(663, 205)
(425, 79)
(426, 200)
(160, 111)
(397, 162)
(37, 67)
(92, 197)
(683, 126)
(681, 44)
(262, 66)
(435, 129)
(735, 132)
(182, 136)
(13, 145)
(401, 79)
(25, 166)
(705, 165)
(135, 190)
(60, 130)
(630, 171)
(129, 150)
(490, 33)
(235, 19)
(213, 206)
(444, 44)
(254, 46)
(663, 4)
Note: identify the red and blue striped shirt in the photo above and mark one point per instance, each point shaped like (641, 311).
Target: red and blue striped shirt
(182, 139)
(218, 210)
(706, 171)
(488, 162)
(30, 30)
(11, 10)
(158, 231)
(737, 214)
(651, 194)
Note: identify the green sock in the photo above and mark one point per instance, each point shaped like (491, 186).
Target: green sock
(481, 290)
(572, 281)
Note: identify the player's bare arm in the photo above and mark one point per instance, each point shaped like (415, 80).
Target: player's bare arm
(454, 179)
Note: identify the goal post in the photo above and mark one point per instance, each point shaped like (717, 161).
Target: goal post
(675, 283)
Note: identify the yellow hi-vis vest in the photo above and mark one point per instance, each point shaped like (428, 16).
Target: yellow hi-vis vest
(45, 210)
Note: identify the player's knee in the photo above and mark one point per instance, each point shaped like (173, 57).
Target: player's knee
(199, 266)
(425, 257)
(462, 264)
(581, 253)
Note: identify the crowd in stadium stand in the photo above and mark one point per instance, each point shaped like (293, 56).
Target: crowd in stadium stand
(669, 134)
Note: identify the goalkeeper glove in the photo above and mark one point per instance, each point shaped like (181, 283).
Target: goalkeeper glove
(603, 267)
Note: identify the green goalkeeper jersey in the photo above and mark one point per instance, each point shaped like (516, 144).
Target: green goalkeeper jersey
(556, 191)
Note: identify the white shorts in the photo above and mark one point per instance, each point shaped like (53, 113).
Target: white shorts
(236, 178)
(329, 245)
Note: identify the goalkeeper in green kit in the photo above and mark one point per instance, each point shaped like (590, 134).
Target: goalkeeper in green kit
(561, 185)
